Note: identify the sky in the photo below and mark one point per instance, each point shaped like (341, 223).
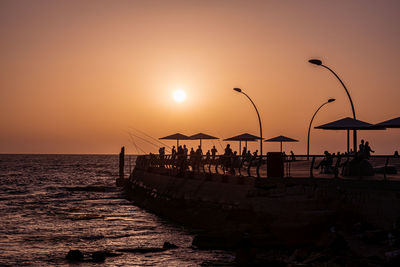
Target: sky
(91, 76)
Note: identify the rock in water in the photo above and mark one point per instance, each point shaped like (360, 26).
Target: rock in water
(168, 245)
(98, 256)
(74, 255)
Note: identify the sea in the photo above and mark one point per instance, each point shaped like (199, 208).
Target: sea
(51, 204)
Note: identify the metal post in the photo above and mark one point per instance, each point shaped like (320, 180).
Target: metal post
(352, 107)
(258, 115)
(309, 127)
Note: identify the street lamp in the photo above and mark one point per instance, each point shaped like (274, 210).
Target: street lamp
(309, 127)
(259, 119)
(319, 63)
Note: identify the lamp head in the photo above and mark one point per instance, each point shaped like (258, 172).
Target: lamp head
(331, 100)
(237, 90)
(315, 62)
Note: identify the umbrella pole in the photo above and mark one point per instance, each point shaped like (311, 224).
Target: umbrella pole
(281, 146)
(355, 141)
(246, 146)
(200, 143)
(348, 141)
(177, 143)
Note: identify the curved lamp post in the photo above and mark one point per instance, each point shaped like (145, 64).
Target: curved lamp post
(309, 127)
(319, 63)
(259, 119)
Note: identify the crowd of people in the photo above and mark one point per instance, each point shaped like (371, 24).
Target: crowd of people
(182, 157)
(364, 152)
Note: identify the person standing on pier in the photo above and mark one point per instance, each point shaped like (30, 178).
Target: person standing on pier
(361, 148)
(213, 152)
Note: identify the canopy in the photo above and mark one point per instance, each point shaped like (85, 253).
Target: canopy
(393, 123)
(201, 136)
(177, 137)
(349, 124)
(346, 124)
(243, 137)
(281, 139)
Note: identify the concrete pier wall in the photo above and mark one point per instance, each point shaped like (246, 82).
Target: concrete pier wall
(284, 207)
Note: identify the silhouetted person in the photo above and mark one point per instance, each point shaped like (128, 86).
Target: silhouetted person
(248, 156)
(173, 153)
(255, 153)
(228, 150)
(213, 152)
(199, 151)
(227, 155)
(292, 157)
(181, 158)
(208, 156)
(244, 152)
(396, 154)
(199, 154)
(368, 150)
(326, 162)
(361, 148)
(185, 151)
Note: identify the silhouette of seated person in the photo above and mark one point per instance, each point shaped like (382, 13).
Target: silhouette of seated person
(368, 150)
(326, 163)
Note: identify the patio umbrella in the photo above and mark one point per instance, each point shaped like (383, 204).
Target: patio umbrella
(393, 123)
(349, 124)
(281, 139)
(243, 137)
(201, 136)
(177, 137)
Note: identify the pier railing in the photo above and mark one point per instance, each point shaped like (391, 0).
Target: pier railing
(382, 167)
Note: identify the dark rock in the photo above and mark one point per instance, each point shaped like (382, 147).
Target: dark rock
(216, 241)
(168, 245)
(74, 255)
(111, 254)
(141, 250)
(98, 256)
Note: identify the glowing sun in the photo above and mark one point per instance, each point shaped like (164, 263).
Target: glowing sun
(179, 95)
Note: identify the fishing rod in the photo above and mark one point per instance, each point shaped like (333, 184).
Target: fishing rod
(219, 141)
(136, 146)
(155, 139)
(157, 146)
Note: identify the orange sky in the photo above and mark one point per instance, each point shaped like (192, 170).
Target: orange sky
(77, 76)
